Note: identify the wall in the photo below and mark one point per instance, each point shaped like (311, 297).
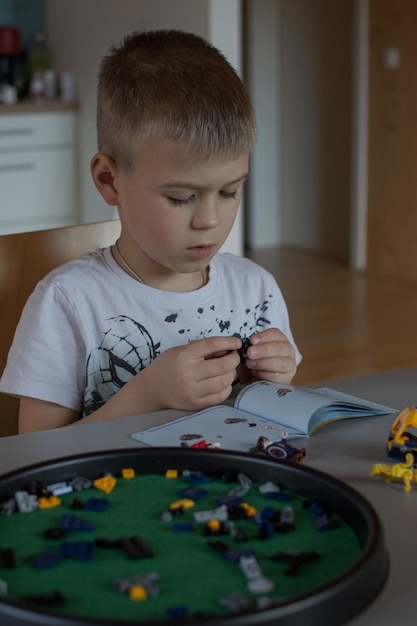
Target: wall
(301, 70)
(80, 33)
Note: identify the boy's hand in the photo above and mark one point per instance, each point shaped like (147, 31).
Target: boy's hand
(270, 357)
(196, 375)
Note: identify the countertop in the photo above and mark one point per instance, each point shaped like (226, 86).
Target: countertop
(38, 107)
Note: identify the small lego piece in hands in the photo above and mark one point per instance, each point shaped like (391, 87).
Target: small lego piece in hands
(243, 350)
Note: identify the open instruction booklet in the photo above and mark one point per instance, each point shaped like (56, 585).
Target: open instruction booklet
(264, 409)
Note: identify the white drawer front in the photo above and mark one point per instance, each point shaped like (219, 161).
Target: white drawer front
(36, 186)
(20, 131)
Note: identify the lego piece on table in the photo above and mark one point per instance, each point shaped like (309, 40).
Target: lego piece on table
(194, 493)
(200, 444)
(96, 504)
(286, 520)
(148, 580)
(280, 449)
(80, 483)
(105, 483)
(171, 473)
(26, 503)
(403, 472)
(219, 546)
(128, 473)
(235, 602)
(266, 529)
(236, 512)
(78, 550)
(138, 592)
(183, 527)
(175, 612)
(8, 507)
(294, 559)
(256, 581)
(237, 533)
(229, 501)
(49, 502)
(322, 520)
(269, 488)
(235, 554)
(46, 559)
(216, 527)
(249, 510)
(220, 514)
(7, 558)
(185, 503)
(47, 598)
(402, 437)
(60, 489)
(134, 547)
(73, 523)
(196, 477)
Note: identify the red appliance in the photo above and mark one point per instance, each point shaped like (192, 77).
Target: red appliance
(9, 41)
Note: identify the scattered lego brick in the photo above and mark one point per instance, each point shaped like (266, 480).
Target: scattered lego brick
(75, 524)
(46, 559)
(52, 599)
(135, 548)
(7, 558)
(105, 483)
(128, 473)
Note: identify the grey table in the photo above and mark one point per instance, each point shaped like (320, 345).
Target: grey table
(346, 450)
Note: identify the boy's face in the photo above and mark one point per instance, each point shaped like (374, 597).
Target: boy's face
(176, 212)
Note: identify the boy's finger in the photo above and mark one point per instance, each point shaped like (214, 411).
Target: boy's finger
(213, 346)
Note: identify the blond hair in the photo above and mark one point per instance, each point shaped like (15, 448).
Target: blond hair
(171, 85)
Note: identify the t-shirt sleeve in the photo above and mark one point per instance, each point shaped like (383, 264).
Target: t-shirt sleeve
(47, 357)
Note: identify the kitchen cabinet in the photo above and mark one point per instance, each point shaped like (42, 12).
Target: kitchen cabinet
(38, 183)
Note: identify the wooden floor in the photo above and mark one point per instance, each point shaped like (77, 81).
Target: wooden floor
(345, 323)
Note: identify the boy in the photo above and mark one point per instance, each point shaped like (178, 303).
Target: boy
(157, 320)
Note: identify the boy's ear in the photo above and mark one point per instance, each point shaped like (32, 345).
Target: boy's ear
(103, 171)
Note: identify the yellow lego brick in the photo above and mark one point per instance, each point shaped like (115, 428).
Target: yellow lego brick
(106, 483)
(250, 510)
(128, 472)
(138, 592)
(185, 503)
(48, 502)
(171, 473)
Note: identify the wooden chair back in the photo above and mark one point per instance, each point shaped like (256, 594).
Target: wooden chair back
(25, 258)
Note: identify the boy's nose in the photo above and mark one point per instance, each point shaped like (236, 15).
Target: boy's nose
(205, 216)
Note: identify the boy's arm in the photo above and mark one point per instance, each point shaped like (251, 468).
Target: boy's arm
(189, 377)
(37, 414)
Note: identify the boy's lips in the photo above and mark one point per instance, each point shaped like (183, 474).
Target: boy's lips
(201, 252)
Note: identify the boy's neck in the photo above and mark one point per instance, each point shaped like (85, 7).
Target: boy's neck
(204, 273)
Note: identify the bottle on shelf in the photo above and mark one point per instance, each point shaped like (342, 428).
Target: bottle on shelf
(40, 57)
(40, 69)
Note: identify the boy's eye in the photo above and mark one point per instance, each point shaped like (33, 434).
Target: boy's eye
(229, 195)
(180, 201)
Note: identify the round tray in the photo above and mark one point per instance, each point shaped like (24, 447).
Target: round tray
(333, 604)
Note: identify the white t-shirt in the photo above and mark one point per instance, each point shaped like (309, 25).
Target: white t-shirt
(88, 327)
